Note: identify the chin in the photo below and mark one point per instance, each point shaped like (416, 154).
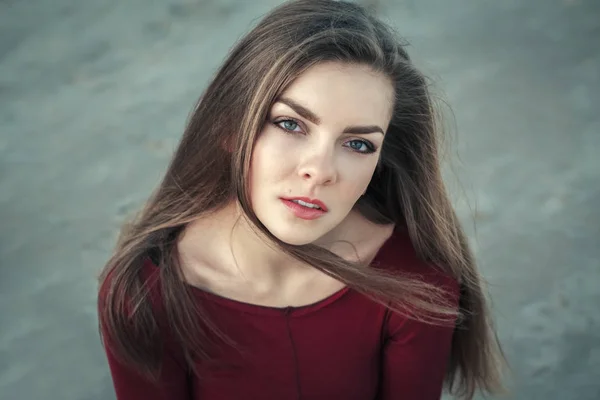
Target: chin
(295, 238)
(296, 235)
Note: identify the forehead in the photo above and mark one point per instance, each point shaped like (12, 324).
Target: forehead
(344, 93)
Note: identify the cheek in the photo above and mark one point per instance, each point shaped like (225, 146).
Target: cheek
(270, 158)
(356, 178)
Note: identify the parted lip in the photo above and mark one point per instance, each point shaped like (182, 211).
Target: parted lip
(316, 202)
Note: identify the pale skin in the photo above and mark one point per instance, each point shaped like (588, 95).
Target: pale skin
(322, 140)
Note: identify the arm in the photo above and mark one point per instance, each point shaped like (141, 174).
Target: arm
(415, 356)
(130, 385)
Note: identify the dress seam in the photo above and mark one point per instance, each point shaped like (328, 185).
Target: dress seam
(294, 353)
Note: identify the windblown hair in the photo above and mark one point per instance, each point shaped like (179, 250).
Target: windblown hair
(210, 169)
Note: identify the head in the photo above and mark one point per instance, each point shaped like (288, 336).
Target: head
(320, 100)
(343, 66)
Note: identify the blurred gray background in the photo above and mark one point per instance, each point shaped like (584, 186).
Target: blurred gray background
(94, 96)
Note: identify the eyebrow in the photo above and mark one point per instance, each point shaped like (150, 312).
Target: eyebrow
(314, 118)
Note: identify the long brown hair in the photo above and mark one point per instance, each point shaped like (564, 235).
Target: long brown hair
(210, 168)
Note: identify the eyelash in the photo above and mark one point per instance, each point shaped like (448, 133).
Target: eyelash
(370, 146)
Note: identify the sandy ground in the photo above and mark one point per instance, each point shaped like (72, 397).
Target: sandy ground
(94, 95)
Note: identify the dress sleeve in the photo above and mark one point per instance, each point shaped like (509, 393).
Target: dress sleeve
(415, 355)
(129, 384)
(173, 382)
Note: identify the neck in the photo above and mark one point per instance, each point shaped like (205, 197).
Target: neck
(237, 248)
(226, 241)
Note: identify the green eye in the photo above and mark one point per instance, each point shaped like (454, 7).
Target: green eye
(289, 125)
(361, 146)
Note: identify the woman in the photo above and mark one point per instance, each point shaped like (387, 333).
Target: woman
(301, 244)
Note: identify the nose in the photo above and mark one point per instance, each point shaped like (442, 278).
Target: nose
(319, 169)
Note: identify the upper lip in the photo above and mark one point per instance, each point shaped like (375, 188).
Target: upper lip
(316, 202)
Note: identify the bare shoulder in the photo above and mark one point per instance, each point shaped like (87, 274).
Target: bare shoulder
(197, 248)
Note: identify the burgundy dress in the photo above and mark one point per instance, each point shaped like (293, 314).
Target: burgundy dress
(343, 347)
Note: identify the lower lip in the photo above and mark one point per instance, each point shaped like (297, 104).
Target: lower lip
(301, 211)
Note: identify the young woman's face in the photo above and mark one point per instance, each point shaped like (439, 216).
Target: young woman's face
(321, 142)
